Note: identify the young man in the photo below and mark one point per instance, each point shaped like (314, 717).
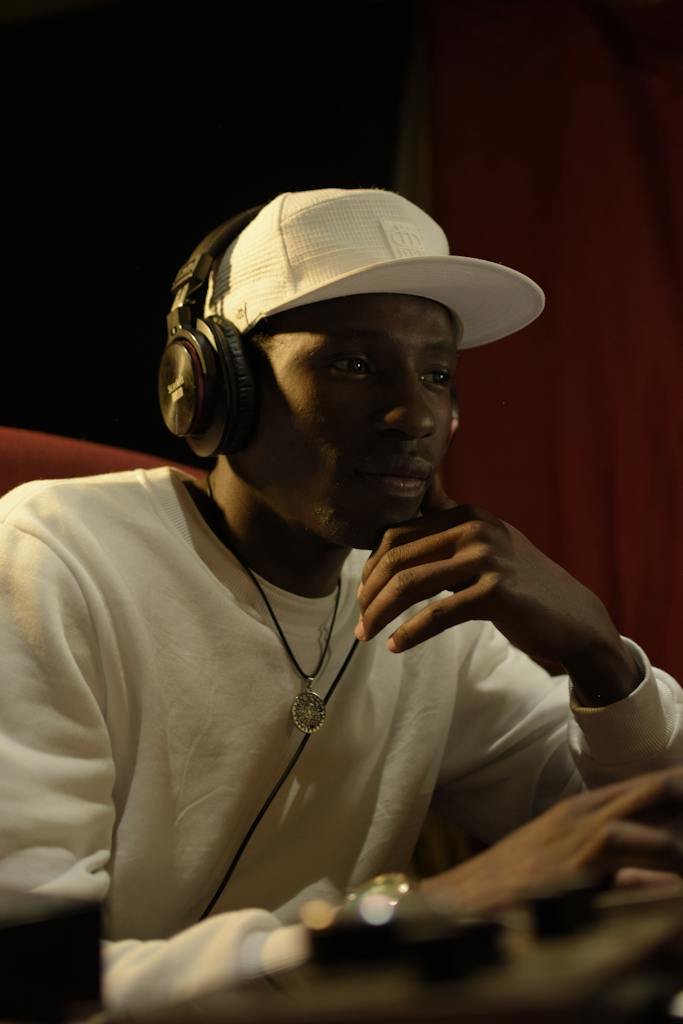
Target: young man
(223, 699)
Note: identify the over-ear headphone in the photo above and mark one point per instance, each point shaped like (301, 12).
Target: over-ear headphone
(207, 392)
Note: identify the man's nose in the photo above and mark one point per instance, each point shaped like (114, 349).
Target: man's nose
(407, 410)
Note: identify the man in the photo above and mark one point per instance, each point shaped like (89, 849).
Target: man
(223, 699)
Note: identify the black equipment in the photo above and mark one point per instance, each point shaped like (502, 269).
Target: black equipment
(49, 957)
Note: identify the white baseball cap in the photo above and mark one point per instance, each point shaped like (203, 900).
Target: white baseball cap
(303, 247)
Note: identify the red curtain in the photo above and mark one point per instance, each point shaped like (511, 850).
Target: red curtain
(556, 149)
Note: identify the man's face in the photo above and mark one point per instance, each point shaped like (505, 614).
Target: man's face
(355, 414)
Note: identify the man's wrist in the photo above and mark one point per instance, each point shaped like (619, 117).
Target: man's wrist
(604, 675)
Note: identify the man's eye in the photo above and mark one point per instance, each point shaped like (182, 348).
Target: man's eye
(353, 365)
(442, 378)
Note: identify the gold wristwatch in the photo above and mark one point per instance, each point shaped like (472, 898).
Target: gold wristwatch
(391, 887)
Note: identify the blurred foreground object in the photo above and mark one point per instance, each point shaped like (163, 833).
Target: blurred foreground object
(49, 957)
(575, 953)
(572, 955)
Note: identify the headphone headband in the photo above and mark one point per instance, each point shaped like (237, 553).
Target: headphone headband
(195, 271)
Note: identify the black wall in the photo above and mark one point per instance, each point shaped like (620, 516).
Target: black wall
(130, 130)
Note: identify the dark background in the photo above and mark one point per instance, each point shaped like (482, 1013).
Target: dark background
(130, 131)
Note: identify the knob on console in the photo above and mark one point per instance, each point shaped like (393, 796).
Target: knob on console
(562, 910)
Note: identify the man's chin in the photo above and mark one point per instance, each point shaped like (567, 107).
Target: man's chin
(367, 535)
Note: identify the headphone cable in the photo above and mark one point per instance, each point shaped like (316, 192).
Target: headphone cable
(273, 793)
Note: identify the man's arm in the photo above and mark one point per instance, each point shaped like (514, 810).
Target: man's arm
(57, 807)
(493, 573)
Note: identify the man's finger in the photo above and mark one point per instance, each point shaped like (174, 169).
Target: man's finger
(654, 797)
(629, 844)
(407, 533)
(419, 582)
(438, 524)
(629, 877)
(440, 615)
(422, 551)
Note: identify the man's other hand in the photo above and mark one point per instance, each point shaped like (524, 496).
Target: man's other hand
(627, 828)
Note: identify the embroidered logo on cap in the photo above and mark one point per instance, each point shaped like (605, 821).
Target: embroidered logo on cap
(404, 238)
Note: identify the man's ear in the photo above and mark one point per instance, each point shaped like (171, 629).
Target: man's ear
(436, 499)
(455, 419)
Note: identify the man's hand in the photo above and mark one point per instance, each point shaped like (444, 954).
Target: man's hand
(493, 573)
(616, 827)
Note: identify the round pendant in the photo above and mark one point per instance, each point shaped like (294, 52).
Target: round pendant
(308, 711)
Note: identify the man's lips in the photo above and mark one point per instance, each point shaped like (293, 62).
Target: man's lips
(397, 476)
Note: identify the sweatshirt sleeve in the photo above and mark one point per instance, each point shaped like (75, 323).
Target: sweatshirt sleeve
(57, 809)
(520, 742)
(643, 732)
(214, 959)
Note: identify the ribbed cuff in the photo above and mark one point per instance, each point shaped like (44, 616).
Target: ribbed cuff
(635, 728)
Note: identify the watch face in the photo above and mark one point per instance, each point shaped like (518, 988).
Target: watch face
(377, 899)
(394, 884)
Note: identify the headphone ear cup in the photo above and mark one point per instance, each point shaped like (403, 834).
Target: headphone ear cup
(187, 383)
(207, 392)
(206, 387)
(241, 397)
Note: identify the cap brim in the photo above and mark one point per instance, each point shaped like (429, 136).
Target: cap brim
(491, 300)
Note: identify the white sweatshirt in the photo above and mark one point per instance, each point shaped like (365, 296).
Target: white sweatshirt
(146, 717)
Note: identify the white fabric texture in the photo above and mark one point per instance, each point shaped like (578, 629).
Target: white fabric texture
(145, 718)
(320, 244)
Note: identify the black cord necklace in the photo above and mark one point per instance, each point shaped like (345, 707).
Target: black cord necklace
(271, 796)
(308, 709)
(237, 856)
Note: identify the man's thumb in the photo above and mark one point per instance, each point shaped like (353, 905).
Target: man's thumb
(436, 499)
